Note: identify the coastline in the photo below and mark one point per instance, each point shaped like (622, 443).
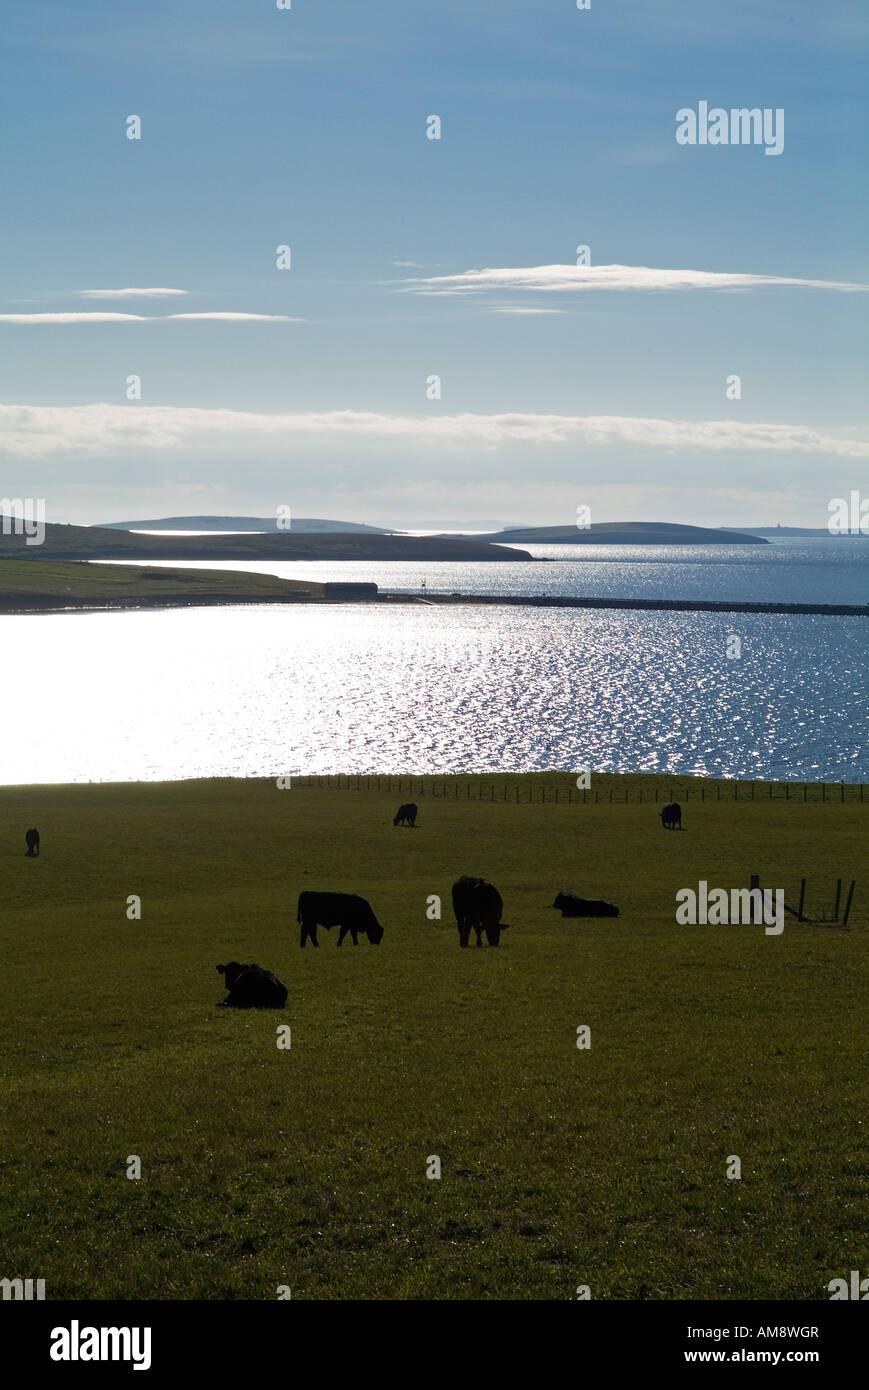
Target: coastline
(9, 607)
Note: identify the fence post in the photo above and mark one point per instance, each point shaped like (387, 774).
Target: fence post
(802, 899)
(848, 902)
(838, 896)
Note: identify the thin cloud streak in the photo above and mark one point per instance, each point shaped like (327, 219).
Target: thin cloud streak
(569, 278)
(37, 431)
(149, 293)
(226, 316)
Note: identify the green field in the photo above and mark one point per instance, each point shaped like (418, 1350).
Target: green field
(306, 1167)
(33, 584)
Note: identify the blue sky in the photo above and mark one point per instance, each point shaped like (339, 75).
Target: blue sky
(307, 127)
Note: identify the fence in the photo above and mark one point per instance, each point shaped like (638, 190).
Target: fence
(561, 787)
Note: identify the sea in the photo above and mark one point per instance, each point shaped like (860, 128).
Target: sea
(261, 691)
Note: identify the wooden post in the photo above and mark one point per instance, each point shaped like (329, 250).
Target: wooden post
(804, 791)
(838, 897)
(843, 792)
(848, 901)
(802, 900)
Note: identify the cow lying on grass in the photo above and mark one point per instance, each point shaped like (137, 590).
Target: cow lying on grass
(406, 814)
(572, 906)
(251, 987)
(478, 907)
(345, 910)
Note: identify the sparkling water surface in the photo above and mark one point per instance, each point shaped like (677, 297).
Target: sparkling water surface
(264, 691)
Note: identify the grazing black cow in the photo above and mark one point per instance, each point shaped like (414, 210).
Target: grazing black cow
(406, 814)
(345, 910)
(478, 906)
(251, 987)
(572, 906)
(32, 839)
(671, 816)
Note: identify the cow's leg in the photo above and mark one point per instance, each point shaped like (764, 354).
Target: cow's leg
(309, 930)
(342, 933)
(479, 930)
(464, 934)
(354, 933)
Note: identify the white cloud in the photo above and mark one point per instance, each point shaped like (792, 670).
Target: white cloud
(37, 431)
(72, 318)
(567, 278)
(522, 309)
(150, 293)
(226, 316)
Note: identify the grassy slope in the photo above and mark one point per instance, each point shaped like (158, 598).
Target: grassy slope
(64, 582)
(307, 1167)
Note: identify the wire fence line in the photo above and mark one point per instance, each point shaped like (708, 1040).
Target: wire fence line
(519, 789)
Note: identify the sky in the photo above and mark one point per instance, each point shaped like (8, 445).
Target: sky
(607, 384)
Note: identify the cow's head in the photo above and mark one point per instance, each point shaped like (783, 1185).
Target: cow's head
(375, 933)
(231, 972)
(560, 901)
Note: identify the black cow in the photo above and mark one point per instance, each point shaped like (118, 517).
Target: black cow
(32, 839)
(478, 906)
(572, 906)
(251, 987)
(345, 910)
(406, 814)
(671, 816)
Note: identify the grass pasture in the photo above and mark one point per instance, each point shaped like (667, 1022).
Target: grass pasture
(307, 1167)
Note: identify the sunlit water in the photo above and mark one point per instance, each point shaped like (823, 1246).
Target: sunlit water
(832, 570)
(262, 691)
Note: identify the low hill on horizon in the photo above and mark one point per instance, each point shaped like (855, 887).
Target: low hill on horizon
(624, 533)
(305, 524)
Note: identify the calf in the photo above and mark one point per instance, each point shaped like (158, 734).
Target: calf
(346, 910)
(572, 906)
(31, 838)
(406, 815)
(252, 987)
(478, 906)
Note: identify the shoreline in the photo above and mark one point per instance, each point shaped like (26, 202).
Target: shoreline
(33, 606)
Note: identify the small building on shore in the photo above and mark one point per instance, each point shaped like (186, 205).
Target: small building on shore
(349, 592)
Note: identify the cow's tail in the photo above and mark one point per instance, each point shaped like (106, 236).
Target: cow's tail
(299, 909)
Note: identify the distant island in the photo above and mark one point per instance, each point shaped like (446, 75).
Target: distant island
(106, 543)
(810, 532)
(623, 533)
(600, 533)
(303, 524)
